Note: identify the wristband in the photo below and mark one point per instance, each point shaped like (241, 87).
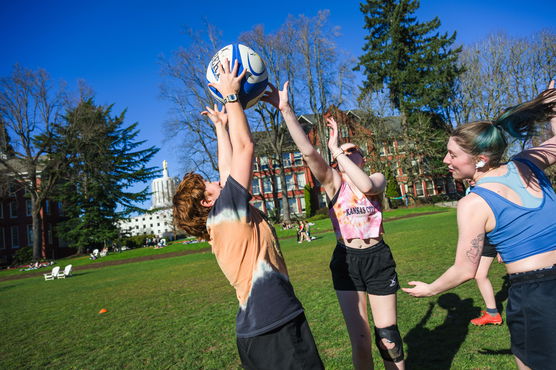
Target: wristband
(337, 153)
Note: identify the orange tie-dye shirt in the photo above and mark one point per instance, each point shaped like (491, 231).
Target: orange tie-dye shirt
(248, 252)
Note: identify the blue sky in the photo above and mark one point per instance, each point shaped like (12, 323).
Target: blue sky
(115, 45)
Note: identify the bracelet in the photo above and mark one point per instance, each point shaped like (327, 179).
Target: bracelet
(337, 153)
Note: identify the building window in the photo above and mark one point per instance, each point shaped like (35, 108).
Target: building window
(15, 236)
(382, 150)
(300, 180)
(286, 160)
(419, 188)
(255, 185)
(255, 164)
(298, 159)
(49, 234)
(13, 209)
(293, 205)
(290, 184)
(344, 132)
(28, 207)
(1, 210)
(258, 204)
(267, 185)
(430, 187)
(269, 205)
(401, 147)
(60, 209)
(302, 202)
(264, 163)
(12, 189)
(278, 183)
(47, 207)
(29, 235)
(2, 242)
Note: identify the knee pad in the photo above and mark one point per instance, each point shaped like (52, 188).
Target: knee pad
(391, 334)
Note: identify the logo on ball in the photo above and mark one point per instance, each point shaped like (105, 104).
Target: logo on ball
(256, 79)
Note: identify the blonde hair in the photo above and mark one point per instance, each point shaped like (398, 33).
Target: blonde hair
(189, 214)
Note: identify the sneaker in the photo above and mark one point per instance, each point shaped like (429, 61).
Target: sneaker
(486, 319)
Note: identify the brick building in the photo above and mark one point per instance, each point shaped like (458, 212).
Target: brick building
(267, 187)
(16, 222)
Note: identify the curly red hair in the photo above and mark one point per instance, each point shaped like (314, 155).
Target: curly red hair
(189, 214)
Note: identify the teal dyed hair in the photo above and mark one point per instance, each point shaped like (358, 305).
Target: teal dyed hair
(520, 121)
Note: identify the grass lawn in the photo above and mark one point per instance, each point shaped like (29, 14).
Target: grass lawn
(180, 312)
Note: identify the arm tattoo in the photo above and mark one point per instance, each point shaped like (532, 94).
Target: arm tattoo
(474, 253)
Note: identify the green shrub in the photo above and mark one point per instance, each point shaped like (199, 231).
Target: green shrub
(136, 241)
(308, 201)
(317, 217)
(23, 256)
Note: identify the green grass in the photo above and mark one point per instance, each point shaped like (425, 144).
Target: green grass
(180, 312)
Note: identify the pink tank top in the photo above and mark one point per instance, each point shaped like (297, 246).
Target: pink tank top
(353, 215)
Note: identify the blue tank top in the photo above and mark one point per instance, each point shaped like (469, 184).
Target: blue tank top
(521, 232)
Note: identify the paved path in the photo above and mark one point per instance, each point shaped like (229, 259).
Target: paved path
(97, 265)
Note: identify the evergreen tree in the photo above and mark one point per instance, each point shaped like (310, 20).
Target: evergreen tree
(103, 159)
(412, 60)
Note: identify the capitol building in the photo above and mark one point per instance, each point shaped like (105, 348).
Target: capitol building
(158, 221)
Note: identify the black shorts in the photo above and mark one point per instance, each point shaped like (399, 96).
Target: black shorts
(290, 346)
(370, 270)
(489, 250)
(530, 317)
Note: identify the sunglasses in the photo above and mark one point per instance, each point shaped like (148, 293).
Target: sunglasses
(352, 150)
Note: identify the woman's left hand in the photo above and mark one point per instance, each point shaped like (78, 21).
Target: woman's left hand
(419, 289)
(218, 117)
(333, 138)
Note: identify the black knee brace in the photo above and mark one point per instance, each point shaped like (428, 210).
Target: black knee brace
(391, 334)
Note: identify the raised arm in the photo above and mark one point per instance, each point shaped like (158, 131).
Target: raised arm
(240, 136)
(374, 184)
(544, 155)
(220, 120)
(327, 176)
(472, 217)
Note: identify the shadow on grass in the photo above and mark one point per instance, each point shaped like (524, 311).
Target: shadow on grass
(436, 348)
(502, 294)
(6, 287)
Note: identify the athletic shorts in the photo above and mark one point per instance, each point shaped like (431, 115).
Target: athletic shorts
(370, 270)
(290, 346)
(489, 250)
(531, 318)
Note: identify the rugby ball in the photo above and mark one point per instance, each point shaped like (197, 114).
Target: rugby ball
(255, 81)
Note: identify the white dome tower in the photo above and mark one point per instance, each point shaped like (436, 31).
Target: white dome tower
(163, 189)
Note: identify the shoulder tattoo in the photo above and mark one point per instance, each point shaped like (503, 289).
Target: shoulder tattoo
(474, 252)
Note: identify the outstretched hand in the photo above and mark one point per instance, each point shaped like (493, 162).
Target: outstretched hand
(419, 289)
(228, 81)
(277, 98)
(218, 117)
(333, 134)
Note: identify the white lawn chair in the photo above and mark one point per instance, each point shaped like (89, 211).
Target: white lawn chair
(65, 273)
(53, 275)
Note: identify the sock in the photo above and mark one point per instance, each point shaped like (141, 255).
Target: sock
(492, 311)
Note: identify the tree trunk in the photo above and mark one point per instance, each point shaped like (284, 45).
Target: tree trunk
(285, 200)
(36, 217)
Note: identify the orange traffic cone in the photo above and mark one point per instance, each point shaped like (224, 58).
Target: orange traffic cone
(104, 310)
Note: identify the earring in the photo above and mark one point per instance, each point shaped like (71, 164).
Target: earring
(480, 164)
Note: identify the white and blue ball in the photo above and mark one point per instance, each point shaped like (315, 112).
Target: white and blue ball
(255, 81)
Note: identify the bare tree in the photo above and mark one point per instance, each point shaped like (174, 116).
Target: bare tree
(502, 71)
(186, 89)
(29, 107)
